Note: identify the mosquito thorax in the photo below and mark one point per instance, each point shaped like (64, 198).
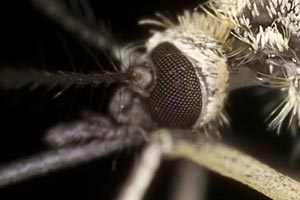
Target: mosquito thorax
(268, 32)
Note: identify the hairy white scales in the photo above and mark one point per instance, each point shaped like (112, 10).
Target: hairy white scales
(284, 17)
(231, 11)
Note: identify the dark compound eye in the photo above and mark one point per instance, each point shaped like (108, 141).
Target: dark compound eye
(175, 100)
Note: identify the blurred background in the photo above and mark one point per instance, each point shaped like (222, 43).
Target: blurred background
(29, 39)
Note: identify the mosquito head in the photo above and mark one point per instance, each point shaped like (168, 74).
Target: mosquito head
(183, 74)
(191, 79)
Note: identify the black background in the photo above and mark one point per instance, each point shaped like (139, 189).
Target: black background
(28, 39)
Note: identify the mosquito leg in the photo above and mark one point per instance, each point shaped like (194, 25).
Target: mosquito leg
(239, 166)
(54, 160)
(92, 127)
(142, 174)
(190, 182)
(215, 156)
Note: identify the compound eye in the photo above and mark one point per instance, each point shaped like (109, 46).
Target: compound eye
(175, 101)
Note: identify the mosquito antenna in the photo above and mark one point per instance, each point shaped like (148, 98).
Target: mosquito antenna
(94, 57)
(87, 10)
(111, 61)
(98, 37)
(75, 8)
(18, 78)
(71, 60)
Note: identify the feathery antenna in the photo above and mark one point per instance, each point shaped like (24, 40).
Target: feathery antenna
(17, 78)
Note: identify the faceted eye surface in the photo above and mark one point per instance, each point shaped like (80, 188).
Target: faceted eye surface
(175, 100)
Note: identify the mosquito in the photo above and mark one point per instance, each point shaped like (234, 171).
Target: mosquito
(171, 99)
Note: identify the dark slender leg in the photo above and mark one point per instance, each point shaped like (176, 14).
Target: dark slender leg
(113, 139)
(93, 127)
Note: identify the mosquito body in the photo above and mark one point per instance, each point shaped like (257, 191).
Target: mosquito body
(180, 81)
